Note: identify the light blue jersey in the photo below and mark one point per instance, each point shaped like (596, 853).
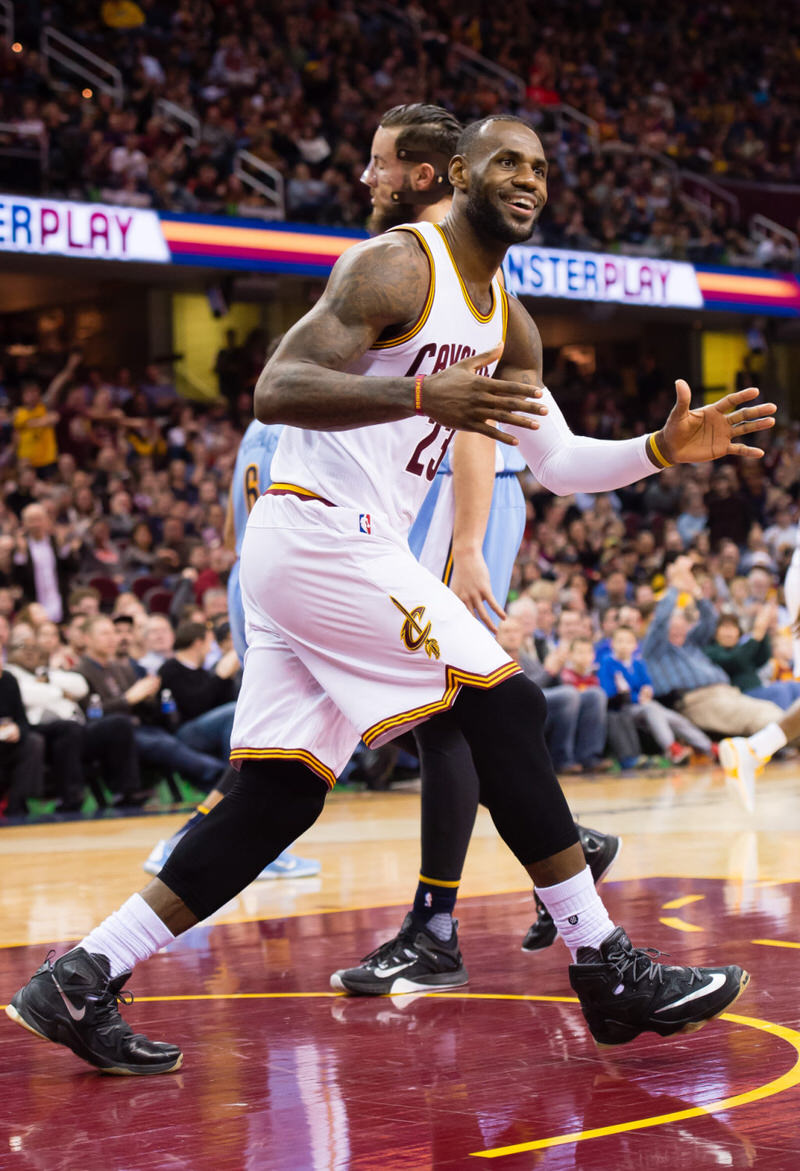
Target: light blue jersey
(431, 536)
(251, 477)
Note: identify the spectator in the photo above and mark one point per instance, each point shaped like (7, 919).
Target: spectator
(626, 681)
(741, 658)
(158, 643)
(123, 690)
(21, 752)
(683, 675)
(42, 568)
(230, 369)
(51, 698)
(580, 672)
(34, 427)
(83, 601)
(576, 719)
(138, 558)
(206, 700)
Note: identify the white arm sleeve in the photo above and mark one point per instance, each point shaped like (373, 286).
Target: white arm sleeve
(565, 463)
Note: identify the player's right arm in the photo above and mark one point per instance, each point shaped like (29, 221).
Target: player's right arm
(380, 285)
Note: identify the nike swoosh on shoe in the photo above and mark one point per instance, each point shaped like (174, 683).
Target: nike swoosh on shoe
(76, 1014)
(716, 981)
(393, 971)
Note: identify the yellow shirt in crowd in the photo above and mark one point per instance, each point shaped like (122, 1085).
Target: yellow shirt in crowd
(35, 444)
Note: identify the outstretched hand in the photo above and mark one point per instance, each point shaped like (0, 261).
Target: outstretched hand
(706, 433)
(463, 398)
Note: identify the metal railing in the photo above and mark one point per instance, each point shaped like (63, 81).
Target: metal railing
(81, 62)
(33, 148)
(263, 178)
(565, 113)
(476, 65)
(7, 21)
(762, 226)
(711, 190)
(185, 119)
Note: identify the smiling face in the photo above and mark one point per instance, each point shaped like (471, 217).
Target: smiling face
(504, 174)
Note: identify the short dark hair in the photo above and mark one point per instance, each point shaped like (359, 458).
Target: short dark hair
(470, 133)
(188, 633)
(423, 126)
(427, 134)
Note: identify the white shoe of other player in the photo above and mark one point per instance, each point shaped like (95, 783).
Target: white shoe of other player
(741, 766)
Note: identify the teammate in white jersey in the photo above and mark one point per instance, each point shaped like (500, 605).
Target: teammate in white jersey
(357, 640)
(251, 476)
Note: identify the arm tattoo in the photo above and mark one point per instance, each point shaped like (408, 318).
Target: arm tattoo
(377, 286)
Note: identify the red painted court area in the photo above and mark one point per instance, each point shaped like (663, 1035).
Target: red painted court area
(282, 1074)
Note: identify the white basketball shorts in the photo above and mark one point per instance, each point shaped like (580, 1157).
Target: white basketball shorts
(349, 638)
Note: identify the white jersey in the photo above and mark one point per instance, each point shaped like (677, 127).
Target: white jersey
(388, 468)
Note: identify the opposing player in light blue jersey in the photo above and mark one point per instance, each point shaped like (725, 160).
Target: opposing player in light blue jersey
(431, 536)
(251, 476)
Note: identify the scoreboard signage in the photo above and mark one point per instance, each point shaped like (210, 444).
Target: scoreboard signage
(595, 276)
(95, 231)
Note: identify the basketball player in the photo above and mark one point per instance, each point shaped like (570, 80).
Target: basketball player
(743, 758)
(791, 595)
(250, 478)
(350, 638)
(468, 532)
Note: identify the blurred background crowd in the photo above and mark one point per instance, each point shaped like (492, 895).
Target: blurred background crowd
(631, 100)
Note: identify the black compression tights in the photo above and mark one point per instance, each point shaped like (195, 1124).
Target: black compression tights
(450, 796)
(270, 804)
(504, 728)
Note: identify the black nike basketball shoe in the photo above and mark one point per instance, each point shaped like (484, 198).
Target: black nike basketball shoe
(74, 1003)
(623, 991)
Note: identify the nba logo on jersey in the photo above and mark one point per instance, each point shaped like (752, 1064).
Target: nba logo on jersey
(365, 522)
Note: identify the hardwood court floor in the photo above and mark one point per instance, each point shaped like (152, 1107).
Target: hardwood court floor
(281, 1074)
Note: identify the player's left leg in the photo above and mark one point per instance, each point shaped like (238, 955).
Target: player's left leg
(623, 991)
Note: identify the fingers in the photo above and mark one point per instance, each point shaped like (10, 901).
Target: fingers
(477, 360)
(491, 601)
(493, 433)
(754, 425)
(759, 412)
(528, 405)
(518, 389)
(745, 451)
(484, 616)
(738, 396)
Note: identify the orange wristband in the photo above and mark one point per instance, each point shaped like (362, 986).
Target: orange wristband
(418, 381)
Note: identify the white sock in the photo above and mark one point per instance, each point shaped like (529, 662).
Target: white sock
(578, 911)
(129, 935)
(767, 742)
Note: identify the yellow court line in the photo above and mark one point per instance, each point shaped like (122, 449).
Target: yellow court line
(680, 924)
(775, 943)
(785, 1082)
(777, 1086)
(674, 904)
